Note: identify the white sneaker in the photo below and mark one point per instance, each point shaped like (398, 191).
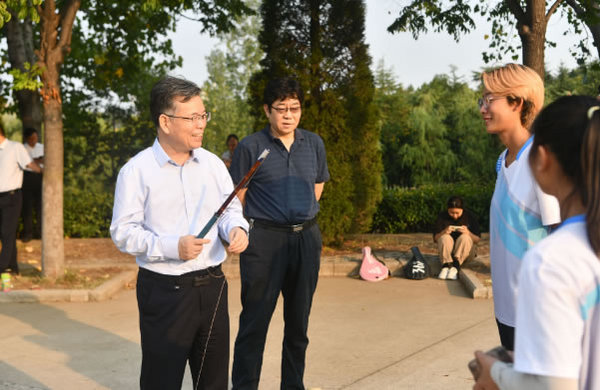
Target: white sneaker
(452, 274)
(444, 273)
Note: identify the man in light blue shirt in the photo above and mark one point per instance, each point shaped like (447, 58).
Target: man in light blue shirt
(164, 196)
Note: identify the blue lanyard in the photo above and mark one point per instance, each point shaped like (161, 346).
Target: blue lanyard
(525, 145)
(574, 219)
(501, 159)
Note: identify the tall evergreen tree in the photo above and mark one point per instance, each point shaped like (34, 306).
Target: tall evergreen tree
(321, 42)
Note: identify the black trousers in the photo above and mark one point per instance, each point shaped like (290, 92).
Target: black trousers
(175, 317)
(10, 209)
(32, 202)
(507, 335)
(274, 262)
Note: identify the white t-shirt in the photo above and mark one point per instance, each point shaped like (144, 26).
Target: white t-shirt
(36, 151)
(519, 214)
(558, 313)
(13, 159)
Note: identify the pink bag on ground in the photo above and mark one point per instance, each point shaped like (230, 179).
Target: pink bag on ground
(371, 269)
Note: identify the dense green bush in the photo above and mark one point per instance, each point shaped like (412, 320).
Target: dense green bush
(405, 210)
(87, 213)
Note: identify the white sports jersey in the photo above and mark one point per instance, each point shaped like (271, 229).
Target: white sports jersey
(519, 214)
(558, 313)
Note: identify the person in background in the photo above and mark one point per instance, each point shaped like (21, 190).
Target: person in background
(557, 342)
(232, 143)
(281, 202)
(520, 212)
(32, 187)
(164, 196)
(13, 160)
(456, 233)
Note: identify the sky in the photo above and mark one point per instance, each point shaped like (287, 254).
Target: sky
(413, 62)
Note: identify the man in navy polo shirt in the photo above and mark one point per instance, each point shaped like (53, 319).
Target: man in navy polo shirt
(281, 203)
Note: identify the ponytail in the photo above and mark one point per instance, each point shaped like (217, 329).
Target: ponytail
(590, 168)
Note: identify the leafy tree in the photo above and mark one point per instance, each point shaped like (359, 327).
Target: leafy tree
(583, 80)
(530, 18)
(229, 70)
(394, 109)
(586, 12)
(321, 42)
(434, 134)
(127, 33)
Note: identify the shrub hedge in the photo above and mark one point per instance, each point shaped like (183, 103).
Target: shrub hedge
(409, 210)
(87, 213)
(402, 210)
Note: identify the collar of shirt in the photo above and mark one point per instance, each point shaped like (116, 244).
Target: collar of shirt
(163, 158)
(4, 143)
(298, 134)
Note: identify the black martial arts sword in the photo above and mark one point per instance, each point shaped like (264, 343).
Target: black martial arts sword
(237, 189)
(206, 229)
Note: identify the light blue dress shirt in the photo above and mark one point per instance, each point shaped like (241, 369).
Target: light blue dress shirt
(158, 201)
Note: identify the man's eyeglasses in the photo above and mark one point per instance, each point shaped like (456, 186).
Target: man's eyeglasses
(283, 110)
(195, 119)
(487, 100)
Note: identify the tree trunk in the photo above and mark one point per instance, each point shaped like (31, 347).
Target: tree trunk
(532, 30)
(53, 252)
(19, 39)
(55, 43)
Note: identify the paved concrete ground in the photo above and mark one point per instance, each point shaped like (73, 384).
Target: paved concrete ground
(395, 334)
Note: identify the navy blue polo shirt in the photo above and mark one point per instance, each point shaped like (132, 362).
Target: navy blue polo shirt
(283, 188)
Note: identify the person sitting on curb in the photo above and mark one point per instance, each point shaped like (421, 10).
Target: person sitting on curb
(456, 233)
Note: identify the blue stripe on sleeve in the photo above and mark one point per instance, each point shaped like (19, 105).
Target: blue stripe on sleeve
(591, 300)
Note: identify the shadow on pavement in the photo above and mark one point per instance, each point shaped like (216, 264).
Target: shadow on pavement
(89, 356)
(17, 376)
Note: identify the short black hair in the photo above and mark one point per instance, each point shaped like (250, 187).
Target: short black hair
(28, 132)
(281, 89)
(230, 136)
(2, 130)
(166, 90)
(455, 202)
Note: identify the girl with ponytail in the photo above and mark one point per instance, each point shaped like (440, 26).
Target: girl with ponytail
(557, 342)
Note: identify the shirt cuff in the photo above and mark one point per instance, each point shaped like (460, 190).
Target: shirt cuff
(170, 247)
(498, 370)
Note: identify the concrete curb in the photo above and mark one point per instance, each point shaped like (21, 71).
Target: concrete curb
(474, 286)
(331, 266)
(100, 293)
(112, 286)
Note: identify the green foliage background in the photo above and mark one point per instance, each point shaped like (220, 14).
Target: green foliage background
(322, 44)
(405, 210)
(395, 154)
(415, 192)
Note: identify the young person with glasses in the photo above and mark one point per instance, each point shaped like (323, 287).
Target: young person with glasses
(520, 212)
(283, 257)
(557, 342)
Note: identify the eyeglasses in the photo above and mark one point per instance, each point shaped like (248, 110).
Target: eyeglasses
(487, 100)
(195, 119)
(283, 110)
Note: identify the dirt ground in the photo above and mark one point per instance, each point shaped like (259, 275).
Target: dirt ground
(90, 261)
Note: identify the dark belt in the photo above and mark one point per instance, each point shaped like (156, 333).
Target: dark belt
(11, 192)
(194, 278)
(270, 225)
